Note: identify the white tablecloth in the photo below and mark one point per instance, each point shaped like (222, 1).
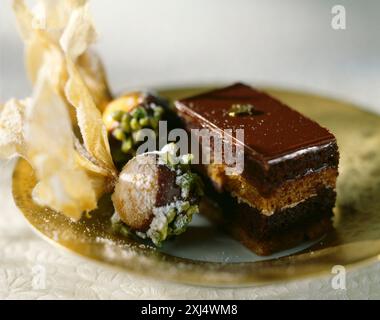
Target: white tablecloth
(24, 257)
(285, 43)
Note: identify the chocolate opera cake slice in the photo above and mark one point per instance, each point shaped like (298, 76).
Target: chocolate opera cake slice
(286, 192)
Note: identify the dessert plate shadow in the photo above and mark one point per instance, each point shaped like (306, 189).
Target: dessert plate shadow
(206, 256)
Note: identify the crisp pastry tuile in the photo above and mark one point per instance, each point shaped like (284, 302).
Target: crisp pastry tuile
(12, 118)
(89, 118)
(62, 184)
(39, 129)
(71, 177)
(74, 171)
(41, 29)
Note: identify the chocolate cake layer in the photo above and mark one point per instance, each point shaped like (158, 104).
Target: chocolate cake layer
(279, 143)
(265, 227)
(265, 235)
(282, 241)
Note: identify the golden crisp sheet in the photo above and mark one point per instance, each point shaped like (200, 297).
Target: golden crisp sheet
(71, 175)
(41, 29)
(63, 185)
(12, 118)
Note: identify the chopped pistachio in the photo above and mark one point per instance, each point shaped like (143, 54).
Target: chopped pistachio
(120, 227)
(188, 182)
(135, 124)
(139, 113)
(185, 206)
(153, 123)
(181, 222)
(171, 215)
(126, 117)
(158, 236)
(127, 145)
(144, 122)
(125, 126)
(118, 134)
(192, 210)
(117, 115)
(240, 109)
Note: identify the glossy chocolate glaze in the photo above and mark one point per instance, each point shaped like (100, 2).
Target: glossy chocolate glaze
(272, 131)
(279, 142)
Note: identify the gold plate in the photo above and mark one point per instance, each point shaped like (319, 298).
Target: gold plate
(205, 256)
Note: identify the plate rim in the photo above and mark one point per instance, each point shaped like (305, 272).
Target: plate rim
(188, 278)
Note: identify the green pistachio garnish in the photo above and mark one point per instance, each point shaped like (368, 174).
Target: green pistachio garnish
(119, 227)
(139, 113)
(180, 223)
(126, 117)
(117, 115)
(118, 134)
(144, 122)
(135, 124)
(126, 145)
(171, 219)
(129, 124)
(190, 182)
(241, 109)
(174, 221)
(125, 126)
(153, 123)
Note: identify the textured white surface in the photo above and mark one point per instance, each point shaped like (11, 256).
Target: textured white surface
(23, 255)
(147, 42)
